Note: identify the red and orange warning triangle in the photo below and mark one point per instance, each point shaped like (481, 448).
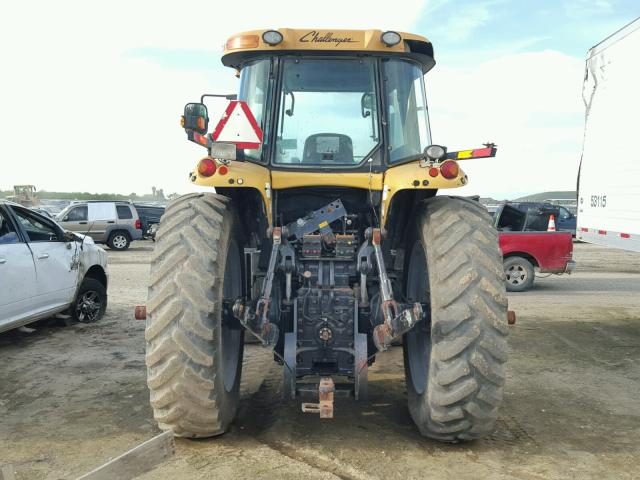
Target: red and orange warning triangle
(238, 126)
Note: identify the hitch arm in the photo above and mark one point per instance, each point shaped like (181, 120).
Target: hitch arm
(398, 319)
(257, 320)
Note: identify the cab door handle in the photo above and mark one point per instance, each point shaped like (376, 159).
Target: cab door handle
(82, 223)
(111, 221)
(3, 260)
(42, 256)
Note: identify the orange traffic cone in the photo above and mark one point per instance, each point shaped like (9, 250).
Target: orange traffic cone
(552, 223)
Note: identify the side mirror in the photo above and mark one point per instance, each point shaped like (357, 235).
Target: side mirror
(69, 236)
(196, 118)
(366, 104)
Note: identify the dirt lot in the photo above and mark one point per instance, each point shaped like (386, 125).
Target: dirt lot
(72, 397)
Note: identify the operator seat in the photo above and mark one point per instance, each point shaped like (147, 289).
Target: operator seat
(328, 148)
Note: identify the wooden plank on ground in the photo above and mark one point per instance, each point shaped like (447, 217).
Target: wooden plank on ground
(136, 461)
(7, 472)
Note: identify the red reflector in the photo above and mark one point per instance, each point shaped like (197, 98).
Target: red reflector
(223, 170)
(602, 232)
(482, 152)
(433, 171)
(625, 235)
(206, 167)
(449, 169)
(201, 139)
(584, 229)
(138, 224)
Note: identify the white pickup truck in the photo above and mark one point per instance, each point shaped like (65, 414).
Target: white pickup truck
(45, 270)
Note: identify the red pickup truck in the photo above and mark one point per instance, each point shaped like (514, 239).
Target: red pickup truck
(549, 252)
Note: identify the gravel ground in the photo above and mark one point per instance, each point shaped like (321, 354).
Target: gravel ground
(72, 397)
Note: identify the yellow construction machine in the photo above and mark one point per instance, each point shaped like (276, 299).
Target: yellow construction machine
(326, 239)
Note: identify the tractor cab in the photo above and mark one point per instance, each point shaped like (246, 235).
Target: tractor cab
(338, 109)
(344, 100)
(347, 103)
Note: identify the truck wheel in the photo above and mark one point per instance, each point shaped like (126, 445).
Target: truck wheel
(519, 273)
(119, 240)
(454, 366)
(194, 360)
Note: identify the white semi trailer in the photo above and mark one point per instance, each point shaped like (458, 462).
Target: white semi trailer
(609, 175)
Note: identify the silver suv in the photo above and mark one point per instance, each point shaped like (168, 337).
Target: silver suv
(113, 223)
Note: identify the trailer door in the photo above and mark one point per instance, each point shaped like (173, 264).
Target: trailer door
(609, 178)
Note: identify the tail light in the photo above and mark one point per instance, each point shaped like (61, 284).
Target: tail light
(449, 169)
(206, 167)
(138, 224)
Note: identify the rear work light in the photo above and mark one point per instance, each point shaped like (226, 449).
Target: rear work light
(449, 169)
(272, 37)
(390, 38)
(206, 167)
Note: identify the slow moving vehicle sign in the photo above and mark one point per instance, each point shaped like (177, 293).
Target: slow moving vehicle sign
(238, 126)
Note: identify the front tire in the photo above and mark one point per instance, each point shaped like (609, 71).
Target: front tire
(91, 301)
(454, 366)
(194, 361)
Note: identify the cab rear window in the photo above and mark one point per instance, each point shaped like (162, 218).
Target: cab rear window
(124, 212)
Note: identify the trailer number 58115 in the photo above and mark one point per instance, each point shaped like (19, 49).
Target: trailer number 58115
(599, 201)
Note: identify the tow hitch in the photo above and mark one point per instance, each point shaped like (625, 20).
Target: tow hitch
(324, 407)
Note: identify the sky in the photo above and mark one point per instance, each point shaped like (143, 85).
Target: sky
(92, 92)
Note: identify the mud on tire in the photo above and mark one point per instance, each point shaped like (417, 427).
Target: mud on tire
(193, 361)
(455, 369)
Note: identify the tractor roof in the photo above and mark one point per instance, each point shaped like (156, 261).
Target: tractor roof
(245, 46)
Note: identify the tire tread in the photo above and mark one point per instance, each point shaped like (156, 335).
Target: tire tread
(181, 353)
(469, 322)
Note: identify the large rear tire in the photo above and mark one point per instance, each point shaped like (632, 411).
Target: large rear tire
(454, 367)
(194, 360)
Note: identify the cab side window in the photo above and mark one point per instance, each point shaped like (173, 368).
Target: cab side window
(124, 212)
(37, 228)
(77, 214)
(564, 213)
(7, 232)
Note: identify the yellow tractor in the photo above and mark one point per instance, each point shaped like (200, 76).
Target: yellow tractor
(25, 195)
(326, 240)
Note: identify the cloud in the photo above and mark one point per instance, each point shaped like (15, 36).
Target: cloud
(462, 23)
(529, 104)
(92, 92)
(587, 8)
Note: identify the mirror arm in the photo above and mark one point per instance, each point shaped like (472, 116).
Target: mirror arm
(231, 96)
